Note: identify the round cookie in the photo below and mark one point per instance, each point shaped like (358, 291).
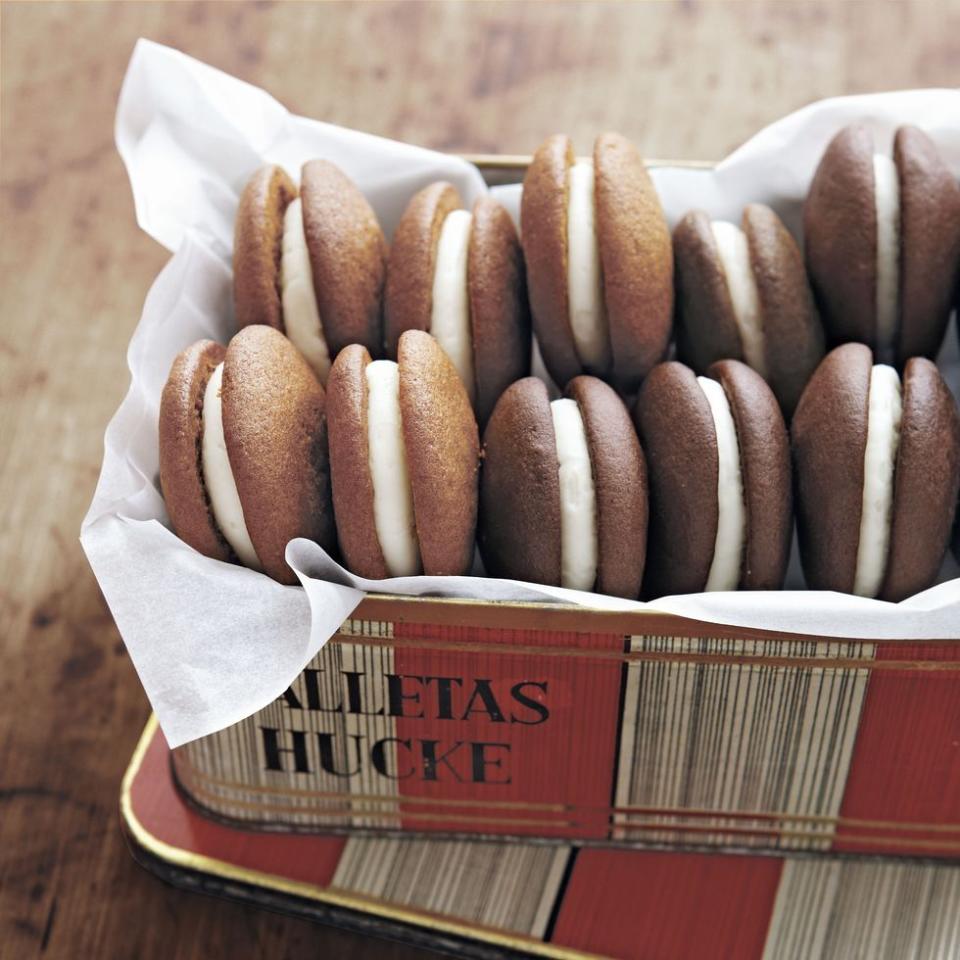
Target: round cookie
(877, 466)
(719, 466)
(881, 246)
(243, 451)
(563, 491)
(599, 261)
(404, 457)
(459, 275)
(310, 264)
(742, 294)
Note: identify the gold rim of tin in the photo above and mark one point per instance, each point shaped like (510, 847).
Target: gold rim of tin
(512, 161)
(191, 860)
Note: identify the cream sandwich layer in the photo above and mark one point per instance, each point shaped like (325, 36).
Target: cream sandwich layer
(588, 321)
(885, 409)
(450, 313)
(218, 476)
(392, 493)
(886, 192)
(301, 316)
(578, 502)
(732, 517)
(734, 251)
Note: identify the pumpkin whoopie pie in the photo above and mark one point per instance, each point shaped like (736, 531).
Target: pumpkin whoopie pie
(563, 491)
(459, 275)
(404, 459)
(599, 261)
(742, 294)
(243, 451)
(311, 265)
(881, 243)
(877, 466)
(719, 464)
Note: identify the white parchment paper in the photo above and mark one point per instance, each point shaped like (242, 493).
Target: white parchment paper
(213, 642)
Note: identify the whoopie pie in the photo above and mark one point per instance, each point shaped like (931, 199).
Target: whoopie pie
(311, 265)
(881, 243)
(742, 294)
(243, 451)
(719, 465)
(404, 458)
(877, 466)
(563, 491)
(599, 261)
(459, 275)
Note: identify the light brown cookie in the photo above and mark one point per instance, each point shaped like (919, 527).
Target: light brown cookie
(345, 244)
(442, 454)
(181, 467)
(257, 241)
(348, 256)
(275, 435)
(496, 287)
(635, 254)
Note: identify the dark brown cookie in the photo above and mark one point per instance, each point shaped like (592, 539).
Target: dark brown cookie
(413, 260)
(706, 322)
(275, 430)
(765, 471)
(519, 530)
(257, 242)
(348, 256)
(181, 465)
(637, 260)
(499, 314)
(620, 485)
(929, 244)
(840, 234)
(679, 440)
(793, 336)
(828, 439)
(543, 233)
(353, 503)
(925, 482)
(443, 454)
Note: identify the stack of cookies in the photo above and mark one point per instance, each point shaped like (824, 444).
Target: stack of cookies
(716, 384)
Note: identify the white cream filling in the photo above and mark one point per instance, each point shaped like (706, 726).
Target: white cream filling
(578, 503)
(588, 320)
(732, 519)
(392, 493)
(883, 439)
(450, 316)
(301, 316)
(734, 251)
(886, 191)
(218, 477)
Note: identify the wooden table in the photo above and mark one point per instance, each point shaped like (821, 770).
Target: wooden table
(685, 81)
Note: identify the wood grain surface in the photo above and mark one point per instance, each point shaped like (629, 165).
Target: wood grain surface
(687, 81)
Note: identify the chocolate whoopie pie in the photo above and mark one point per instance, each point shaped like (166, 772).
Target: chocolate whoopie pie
(563, 491)
(881, 243)
(742, 294)
(599, 261)
(311, 265)
(719, 464)
(404, 458)
(459, 276)
(243, 451)
(877, 466)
